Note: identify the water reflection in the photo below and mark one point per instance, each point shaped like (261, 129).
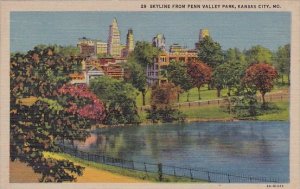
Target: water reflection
(228, 146)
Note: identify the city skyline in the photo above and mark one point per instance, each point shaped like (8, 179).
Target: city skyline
(64, 28)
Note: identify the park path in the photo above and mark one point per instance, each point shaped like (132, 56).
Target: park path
(20, 173)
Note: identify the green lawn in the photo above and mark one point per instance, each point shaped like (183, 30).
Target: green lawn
(205, 112)
(281, 115)
(204, 93)
(215, 112)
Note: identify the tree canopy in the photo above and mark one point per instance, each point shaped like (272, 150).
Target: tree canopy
(144, 53)
(261, 77)
(136, 75)
(210, 52)
(257, 54)
(177, 74)
(282, 61)
(200, 74)
(45, 112)
(119, 98)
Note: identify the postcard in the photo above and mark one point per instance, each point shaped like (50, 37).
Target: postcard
(150, 94)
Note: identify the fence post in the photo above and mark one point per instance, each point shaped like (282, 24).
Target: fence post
(191, 174)
(132, 164)
(160, 172)
(208, 176)
(174, 172)
(145, 167)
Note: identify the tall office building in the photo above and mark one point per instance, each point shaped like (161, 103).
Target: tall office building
(114, 43)
(130, 41)
(202, 34)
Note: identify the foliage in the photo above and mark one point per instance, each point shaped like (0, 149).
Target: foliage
(38, 125)
(144, 53)
(119, 99)
(258, 54)
(135, 74)
(177, 74)
(90, 107)
(228, 75)
(244, 104)
(164, 95)
(162, 99)
(167, 114)
(260, 77)
(210, 52)
(282, 60)
(234, 55)
(200, 74)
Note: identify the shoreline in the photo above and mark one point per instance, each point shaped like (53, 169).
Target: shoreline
(188, 120)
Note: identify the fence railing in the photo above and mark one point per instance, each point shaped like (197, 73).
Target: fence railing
(220, 101)
(166, 170)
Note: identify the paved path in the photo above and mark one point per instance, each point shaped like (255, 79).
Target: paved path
(20, 173)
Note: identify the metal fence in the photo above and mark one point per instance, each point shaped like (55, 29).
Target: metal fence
(161, 171)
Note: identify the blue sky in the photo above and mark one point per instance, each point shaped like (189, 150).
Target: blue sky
(230, 29)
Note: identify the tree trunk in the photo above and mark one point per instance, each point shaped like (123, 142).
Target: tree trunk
(282, 82)
(263, 99)
(218, 92)
(199, 97)
(228, 93)
(144, 96)
(188, 96)
(178, 97)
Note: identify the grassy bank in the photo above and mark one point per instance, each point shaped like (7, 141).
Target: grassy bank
(205, 112)
(140, 175)
(214, 112)
(281, 115)
(204, 93)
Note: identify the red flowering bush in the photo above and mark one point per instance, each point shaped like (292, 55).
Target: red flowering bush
(92, 108)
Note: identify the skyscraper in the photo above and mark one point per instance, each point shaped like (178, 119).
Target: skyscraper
(202, 34)
(130, 41)
(114, 43)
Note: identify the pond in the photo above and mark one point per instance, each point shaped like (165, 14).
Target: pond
(259, 149)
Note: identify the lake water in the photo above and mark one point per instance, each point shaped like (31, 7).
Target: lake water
(252, 148)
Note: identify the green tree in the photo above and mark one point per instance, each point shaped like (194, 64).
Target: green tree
(177, 74)
(42, 115)
(144, 53)
(282, 61)
(258, 54)
(210, 52)
(229, 74)
(234, 55)
(135, 74)
(119, 98)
